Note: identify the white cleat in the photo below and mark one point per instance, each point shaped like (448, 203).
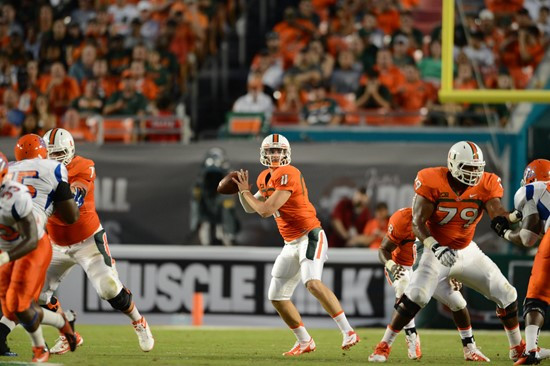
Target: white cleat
(472, 353)
(413, 346)
(145, 337)
(62, 346)
(350, 340)
(381, 353)
(544, 353)
(516, 351)
(301, 348)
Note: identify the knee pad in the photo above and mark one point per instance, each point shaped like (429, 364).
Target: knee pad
(406, 307)
(417, 295)
(508, 312)
(456, 301)
(122, 301)
(530, 304)
(108, 288)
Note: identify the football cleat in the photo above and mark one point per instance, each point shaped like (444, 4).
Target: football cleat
(516, 351)
(544, 353)
(40, 354)
(350, 340)
(145, 337)
(68, 333)
(62, 346)
(301, 348)
(413, 346)
(530, 358)
(381, 353)
(472, 353)
(5, 349)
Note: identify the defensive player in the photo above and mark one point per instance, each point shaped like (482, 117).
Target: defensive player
(533, 201)
(26, 253)
(447, 207)
(398, 254)
(283, 194)
(85, 243)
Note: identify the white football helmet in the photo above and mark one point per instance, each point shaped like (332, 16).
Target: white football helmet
(465, 162)
(60, 145)
(275, 151)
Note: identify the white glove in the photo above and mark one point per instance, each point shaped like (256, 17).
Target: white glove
(395, 269)
(4, 258)
(445, 255)
(456, 285)
(402, 284)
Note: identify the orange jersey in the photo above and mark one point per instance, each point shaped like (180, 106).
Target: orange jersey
(297, 216)
(81, 174)
(454, 219)
(400, 233)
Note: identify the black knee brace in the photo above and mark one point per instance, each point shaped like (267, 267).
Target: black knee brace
(530, 304)
(122, 301)
(407, 308)
(508, 312)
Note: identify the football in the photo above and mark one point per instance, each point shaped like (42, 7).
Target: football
(227, 186)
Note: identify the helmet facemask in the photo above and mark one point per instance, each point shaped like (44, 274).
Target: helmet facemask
(274, 156)
(469, 173)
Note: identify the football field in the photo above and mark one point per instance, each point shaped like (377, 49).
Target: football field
(117, 345)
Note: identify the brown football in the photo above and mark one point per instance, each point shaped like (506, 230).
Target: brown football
(227, 186)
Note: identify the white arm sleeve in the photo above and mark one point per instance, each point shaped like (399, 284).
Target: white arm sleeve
(245, 205)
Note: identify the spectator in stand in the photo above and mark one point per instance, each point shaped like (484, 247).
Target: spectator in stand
(133, 37)
(543, 21)
(307, 12)
(389, 75)
(407, 29)
(32, 42)
(321, 109)
(374, 231)
(270, 70)
(255, 100)
(161, 129)
(341, 27)
(126, 101)
(320, 59)
(89, 103)
(54, 46)
(159, 74)
(106, 86)
(523, 18)
(72, 122)
(30, 125)
(370, 33)
(430, 65)
(465, 77)
(46, 119)
(143, 84)
(7, 72)
(478, 52)
(413, 95)
(15, 50)
(122, 13)
(400, 49)
(28, 85)
(83, 13)
(294, 33)
(83, 68)
(292, 98)
(118, 57)
(60, 88)
(9, 14)
(504, 8)
(493, 35)
(387, 15)
(349, 217)
(273, 44)
(6, 128)
(372, 94)
(13, 114)
(345, 78)
(45, 20)
(521, 53)
(303, 71)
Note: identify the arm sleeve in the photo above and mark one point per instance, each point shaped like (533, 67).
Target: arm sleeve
(63, 192)
(22, 206)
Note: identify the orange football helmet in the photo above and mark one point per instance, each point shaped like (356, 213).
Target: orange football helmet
(537, 171)
(3, 166)
(30, 146)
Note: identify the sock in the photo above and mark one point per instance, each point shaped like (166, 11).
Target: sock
(514, 336)
(342, 322)
(37, 338)
(409, 331)
(133, 312)
(53, 319)
(389, 335)
(301, 333)
(466, 335)
(8, 323)
(531, 337)
(410, 326)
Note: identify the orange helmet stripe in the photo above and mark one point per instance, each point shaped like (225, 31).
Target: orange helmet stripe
(474, 149)
(275, 138)
(52, 136)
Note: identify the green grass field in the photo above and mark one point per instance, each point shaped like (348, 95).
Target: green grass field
(117, 345)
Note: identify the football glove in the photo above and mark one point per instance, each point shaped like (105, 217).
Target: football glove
(515, 216)
(500, 224)
(396, 270)
(79, 195)
(456, 285)
(445, 255)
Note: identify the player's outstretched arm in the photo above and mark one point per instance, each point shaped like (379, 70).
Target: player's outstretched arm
(528, 234)
(26, 227)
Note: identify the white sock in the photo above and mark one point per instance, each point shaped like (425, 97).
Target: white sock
(301, 333)
(134, 313)
(53, 319)
(514, 336)
(531, 337)
(410, 325)
(8, 323)
(342, 322)
(37, 338)
(389, 336)
(466, 332)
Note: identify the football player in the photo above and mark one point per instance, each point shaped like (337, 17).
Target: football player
(85, 243)
(447, 207)
(398, 254)
(26, 253)
(283, 194)
(532, 202)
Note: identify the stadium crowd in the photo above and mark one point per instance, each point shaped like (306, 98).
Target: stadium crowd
(63, 61)
(329, 61)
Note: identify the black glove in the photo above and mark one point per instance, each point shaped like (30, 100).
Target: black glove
(500, 224)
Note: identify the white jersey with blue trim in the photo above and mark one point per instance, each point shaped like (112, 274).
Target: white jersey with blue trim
(539, 193)
(15, 203)
(41, 176)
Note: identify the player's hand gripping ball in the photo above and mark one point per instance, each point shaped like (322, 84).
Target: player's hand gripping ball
(227, 185)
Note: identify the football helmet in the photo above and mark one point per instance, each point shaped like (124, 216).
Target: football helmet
(3, 166)
(30, 146)
(537, 171)
(465, 162)
(275, 151)
(60, 145)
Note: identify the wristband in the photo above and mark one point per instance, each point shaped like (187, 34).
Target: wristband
(507, 234)
(243, 191)
(4, 258)
(429, 242)
(389, 264)
(513, 217)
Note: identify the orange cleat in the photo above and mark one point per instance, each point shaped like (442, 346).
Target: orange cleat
(40, 354)
(381, 353)
(301, 348)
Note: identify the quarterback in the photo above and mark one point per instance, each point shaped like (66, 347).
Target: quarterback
(283, 194)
